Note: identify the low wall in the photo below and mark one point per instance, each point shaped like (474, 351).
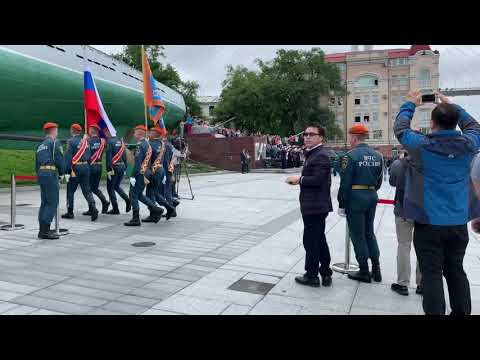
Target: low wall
(223, 153)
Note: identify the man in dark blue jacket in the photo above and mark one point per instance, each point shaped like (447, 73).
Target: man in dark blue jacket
(315, 204)
(76, 164)
(116, 164)
(440, 198)
(49, 165)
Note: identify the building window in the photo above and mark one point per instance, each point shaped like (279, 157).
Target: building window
(424, 79)
(210, 110)
(399, 80)
(340, 101)
(357, 101)
(375, 117)
(366, 118)
(339, 119)
(366, 81)
(365, 99)
(374, 99)
(332, 101)
(357, 117)
(399, 62)
(377, 134)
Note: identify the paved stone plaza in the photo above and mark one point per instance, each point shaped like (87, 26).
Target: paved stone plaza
(235, 249)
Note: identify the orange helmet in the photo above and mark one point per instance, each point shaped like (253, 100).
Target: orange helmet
(141, 127)
(95, 126)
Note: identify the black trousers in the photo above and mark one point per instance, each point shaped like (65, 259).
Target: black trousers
(440, 251)
(315, 244)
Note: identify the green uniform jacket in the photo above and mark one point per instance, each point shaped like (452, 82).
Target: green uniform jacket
(360, 166)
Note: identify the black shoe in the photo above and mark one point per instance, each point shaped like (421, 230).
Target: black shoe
(45, 233)
(400, 289)
(113, 212)
(68, 215)
(148, 219)
(376, 274)
(419, 290)
(175, 202)
(87, 213)
(326, 280)
(133, 222)
(171, 213)
(128, 206)
(94, 213)
(304, 280)
(362, 276)
(105, 206)
(156, 214)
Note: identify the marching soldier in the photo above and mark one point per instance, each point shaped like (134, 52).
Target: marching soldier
(154, 189)
(48, 166)
(97, 147)
(139, 178)
(116, 165)
(168, 165)
(76, 164)
(361, 177)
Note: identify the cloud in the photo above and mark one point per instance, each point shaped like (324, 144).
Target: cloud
(207, 64)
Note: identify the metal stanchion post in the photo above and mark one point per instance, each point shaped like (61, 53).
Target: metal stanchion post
(346, 267)
(13, 201)
(58, 231)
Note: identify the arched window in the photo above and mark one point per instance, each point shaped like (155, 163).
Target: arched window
(366, 81)
(424, 79)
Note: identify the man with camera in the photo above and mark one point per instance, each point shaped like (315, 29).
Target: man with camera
(315, 204)
(440, 198)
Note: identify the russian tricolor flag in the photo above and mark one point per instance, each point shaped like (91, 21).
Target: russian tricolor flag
(95, 113)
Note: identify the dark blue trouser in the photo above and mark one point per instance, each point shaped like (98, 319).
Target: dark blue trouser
(136, 194)
(360, 224)
(49, 197)
(168, 188)
(82, 177)
(113, 185)
(155, 188)
(316, 247)
(95, 176)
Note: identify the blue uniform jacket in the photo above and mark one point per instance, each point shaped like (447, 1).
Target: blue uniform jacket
(49, 153)
(113, 146)
(167, 157)
(94, 144)
(438, 189)
(72, 148)
(140, 153)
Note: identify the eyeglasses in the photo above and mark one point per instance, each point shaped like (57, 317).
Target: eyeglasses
(310, 134)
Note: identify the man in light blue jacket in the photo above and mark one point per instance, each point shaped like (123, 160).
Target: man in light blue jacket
(440, 198)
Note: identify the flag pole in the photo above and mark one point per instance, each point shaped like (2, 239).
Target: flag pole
(84, 68)
(144, 85)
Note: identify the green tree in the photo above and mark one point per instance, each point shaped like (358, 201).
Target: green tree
(189, 90)
(283, 95)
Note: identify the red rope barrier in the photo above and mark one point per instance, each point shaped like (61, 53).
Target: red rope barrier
(25, 177)
(386, 201)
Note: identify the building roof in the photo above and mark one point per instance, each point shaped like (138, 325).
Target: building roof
(208, 99)
(391, 53)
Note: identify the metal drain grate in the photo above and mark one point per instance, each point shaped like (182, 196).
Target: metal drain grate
(143, 244)
(250, 286)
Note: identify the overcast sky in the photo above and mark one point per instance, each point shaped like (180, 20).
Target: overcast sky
(459, 64)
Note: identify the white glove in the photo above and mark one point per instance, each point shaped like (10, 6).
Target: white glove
(109, 177)
(133, 181)
(341, 212)
(66, 177)
(164, 181)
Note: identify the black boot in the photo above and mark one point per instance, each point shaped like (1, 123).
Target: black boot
(105, 203)
(128, 205)
(114, 210)
(148, 219)
(363, 275)
(308, 281)
(156, 213)
(93, 212)
(135, 219)
(87, 213)
(376, 273)
(175, 202)
(44, 233)
(68, 214)
(171, 211)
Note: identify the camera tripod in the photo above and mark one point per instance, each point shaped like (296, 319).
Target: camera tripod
(178, 175)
